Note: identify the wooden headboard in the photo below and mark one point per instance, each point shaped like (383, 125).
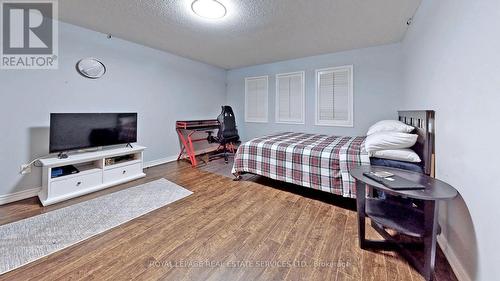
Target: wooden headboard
(423, 121)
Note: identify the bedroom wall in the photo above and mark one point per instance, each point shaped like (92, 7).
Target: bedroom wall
(160, 86)
(377, 88)
(452, 65)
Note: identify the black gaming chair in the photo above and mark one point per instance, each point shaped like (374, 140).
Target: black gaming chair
(227, 134)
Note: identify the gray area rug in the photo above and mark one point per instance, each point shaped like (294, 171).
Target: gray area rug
(219, 167)
(30, 239)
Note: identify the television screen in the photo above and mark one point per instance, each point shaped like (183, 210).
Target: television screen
(69, 131)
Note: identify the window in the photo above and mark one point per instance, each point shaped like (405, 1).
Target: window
(290, 98)
(334, 96)
(256, 99)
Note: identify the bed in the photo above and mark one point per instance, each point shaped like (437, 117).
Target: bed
(323, 162)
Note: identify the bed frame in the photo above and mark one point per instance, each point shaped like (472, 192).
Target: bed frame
(423, 121)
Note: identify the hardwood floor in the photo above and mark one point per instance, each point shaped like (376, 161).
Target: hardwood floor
(257, 229)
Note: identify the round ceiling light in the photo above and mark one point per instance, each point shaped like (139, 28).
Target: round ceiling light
(210, 9)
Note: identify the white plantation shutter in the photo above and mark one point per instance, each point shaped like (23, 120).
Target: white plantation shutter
(256, 99)
(290, 98)
(334, 96)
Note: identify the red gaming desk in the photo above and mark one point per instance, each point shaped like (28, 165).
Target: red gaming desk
(186, 130)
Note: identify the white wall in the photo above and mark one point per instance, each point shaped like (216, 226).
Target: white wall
(159, 86)
(377, 89)
(452, 65)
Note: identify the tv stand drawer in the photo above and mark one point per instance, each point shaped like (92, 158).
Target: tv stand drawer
(123, 172)
(75, 184)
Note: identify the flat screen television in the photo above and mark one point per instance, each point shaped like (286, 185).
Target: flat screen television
(72, 131)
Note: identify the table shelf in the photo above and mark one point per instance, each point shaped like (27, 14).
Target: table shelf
(407, 220)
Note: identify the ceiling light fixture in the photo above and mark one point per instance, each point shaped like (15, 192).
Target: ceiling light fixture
(210, 9)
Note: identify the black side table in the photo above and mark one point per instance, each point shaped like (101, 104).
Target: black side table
(403, 218)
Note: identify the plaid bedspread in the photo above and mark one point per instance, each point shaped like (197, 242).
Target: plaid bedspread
(316, 161)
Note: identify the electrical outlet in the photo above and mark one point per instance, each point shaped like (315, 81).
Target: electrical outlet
(25, 169)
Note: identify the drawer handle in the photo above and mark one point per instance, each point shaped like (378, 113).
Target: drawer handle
(124, 171)
(78, 183)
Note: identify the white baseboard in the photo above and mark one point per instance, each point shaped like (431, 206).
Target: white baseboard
(20, 195)
(160, 161)
(173, 158)
(453, 260)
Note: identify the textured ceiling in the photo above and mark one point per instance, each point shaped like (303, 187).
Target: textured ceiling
(253, 31)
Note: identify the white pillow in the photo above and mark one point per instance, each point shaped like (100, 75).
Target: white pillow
(404, 154)
(390, 126)
(389, 140)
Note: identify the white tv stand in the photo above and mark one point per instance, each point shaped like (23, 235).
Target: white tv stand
(97, 171)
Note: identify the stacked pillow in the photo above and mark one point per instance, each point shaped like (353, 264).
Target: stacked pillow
(391, 139)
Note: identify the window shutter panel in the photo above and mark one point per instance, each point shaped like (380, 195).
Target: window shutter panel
(341, 95)
(256, 96)
(296, 98)
(325, 94)
(334, 97)
(283, 98)
(290, 98)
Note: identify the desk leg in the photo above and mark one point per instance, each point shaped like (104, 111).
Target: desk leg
(431, 209)
(186, 146)
(361, 203)
(191, 148)
(180, 153)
